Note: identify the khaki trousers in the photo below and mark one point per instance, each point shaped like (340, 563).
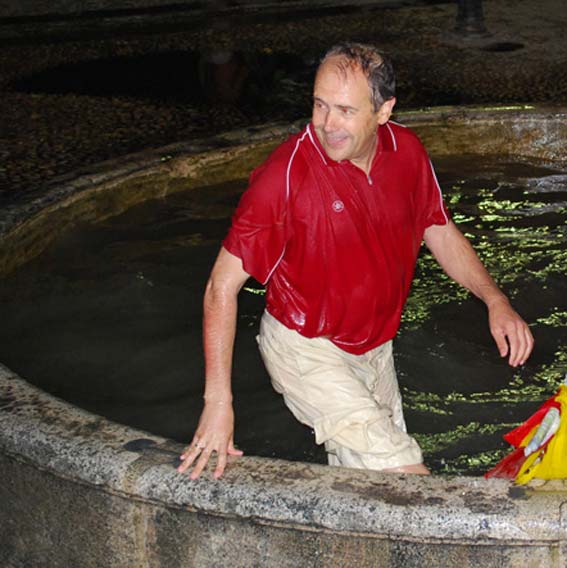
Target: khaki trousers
(351, 401)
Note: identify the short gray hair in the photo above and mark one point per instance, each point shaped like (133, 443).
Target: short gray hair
(375, 65)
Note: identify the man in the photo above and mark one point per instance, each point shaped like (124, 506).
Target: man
(332, 222)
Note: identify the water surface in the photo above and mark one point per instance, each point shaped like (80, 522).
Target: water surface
(109, 318)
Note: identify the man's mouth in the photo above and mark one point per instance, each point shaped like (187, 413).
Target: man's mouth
(335, 141)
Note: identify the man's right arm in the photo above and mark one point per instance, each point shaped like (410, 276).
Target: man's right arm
(216, 425)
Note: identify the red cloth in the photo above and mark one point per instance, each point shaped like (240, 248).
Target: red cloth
(337, 248)
(509, 466)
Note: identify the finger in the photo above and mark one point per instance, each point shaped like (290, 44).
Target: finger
(221, 464)
(515, 347)
(232, 451)
(188, 458)
(529, 344)
(201, 463)
(517, 341)
(522, 346)
(195, 443)
(501, 343)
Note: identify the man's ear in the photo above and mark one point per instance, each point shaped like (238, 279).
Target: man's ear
(385, 111)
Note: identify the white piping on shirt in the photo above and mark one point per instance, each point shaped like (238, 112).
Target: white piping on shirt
(288, 171)
(287, 192)
(439, 190)
(308, 130)
(398, 123)
(430, 165)
(393, 137)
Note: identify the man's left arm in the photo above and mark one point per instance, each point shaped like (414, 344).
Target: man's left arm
(454, 253)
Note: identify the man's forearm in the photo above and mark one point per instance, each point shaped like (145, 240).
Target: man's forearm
(219, 329)
(454, 253)
(220, 306)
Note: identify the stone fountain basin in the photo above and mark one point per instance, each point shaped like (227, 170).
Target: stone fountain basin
(79, 490)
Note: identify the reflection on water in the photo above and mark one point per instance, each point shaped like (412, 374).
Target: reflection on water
(109, 319)
(515, 215)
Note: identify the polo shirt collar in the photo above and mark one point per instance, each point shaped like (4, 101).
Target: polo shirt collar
(386, 143)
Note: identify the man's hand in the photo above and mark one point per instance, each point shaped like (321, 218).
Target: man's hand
(511, 333)
(214, 434)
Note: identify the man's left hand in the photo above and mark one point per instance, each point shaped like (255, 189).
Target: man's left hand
(511, 333)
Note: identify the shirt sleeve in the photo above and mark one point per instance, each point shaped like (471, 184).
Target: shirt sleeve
(258, 233)
(432, 205)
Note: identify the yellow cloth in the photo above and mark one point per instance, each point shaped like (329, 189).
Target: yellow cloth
(549, 462)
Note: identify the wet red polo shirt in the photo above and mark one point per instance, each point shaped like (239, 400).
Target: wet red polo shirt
(337, 248)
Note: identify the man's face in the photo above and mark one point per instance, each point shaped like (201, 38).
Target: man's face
(343, 116)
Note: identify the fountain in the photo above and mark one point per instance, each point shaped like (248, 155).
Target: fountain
(81, 490)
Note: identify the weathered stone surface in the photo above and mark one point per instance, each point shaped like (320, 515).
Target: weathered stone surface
(53, 521)
(79, 490)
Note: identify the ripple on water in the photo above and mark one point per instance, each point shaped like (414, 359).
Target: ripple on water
(112, 315)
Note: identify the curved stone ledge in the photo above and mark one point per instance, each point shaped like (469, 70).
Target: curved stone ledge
(79, 490)
(518, 130)
(53, 454)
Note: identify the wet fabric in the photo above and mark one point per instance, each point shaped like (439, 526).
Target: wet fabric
(337, 248)
(351, 401)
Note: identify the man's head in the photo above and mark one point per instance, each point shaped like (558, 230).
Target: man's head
(353, 93)
(375, 66)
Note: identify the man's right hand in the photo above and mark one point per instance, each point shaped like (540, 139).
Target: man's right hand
(214, 434)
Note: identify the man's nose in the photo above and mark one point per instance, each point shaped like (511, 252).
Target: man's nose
(330, 122)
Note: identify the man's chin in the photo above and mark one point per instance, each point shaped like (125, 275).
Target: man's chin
(336, 154)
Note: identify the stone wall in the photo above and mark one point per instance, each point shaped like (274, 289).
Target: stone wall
(78, 490)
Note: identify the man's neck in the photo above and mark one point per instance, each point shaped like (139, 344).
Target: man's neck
(365, 164)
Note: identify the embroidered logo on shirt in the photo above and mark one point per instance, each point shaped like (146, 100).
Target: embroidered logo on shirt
(338, 206)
